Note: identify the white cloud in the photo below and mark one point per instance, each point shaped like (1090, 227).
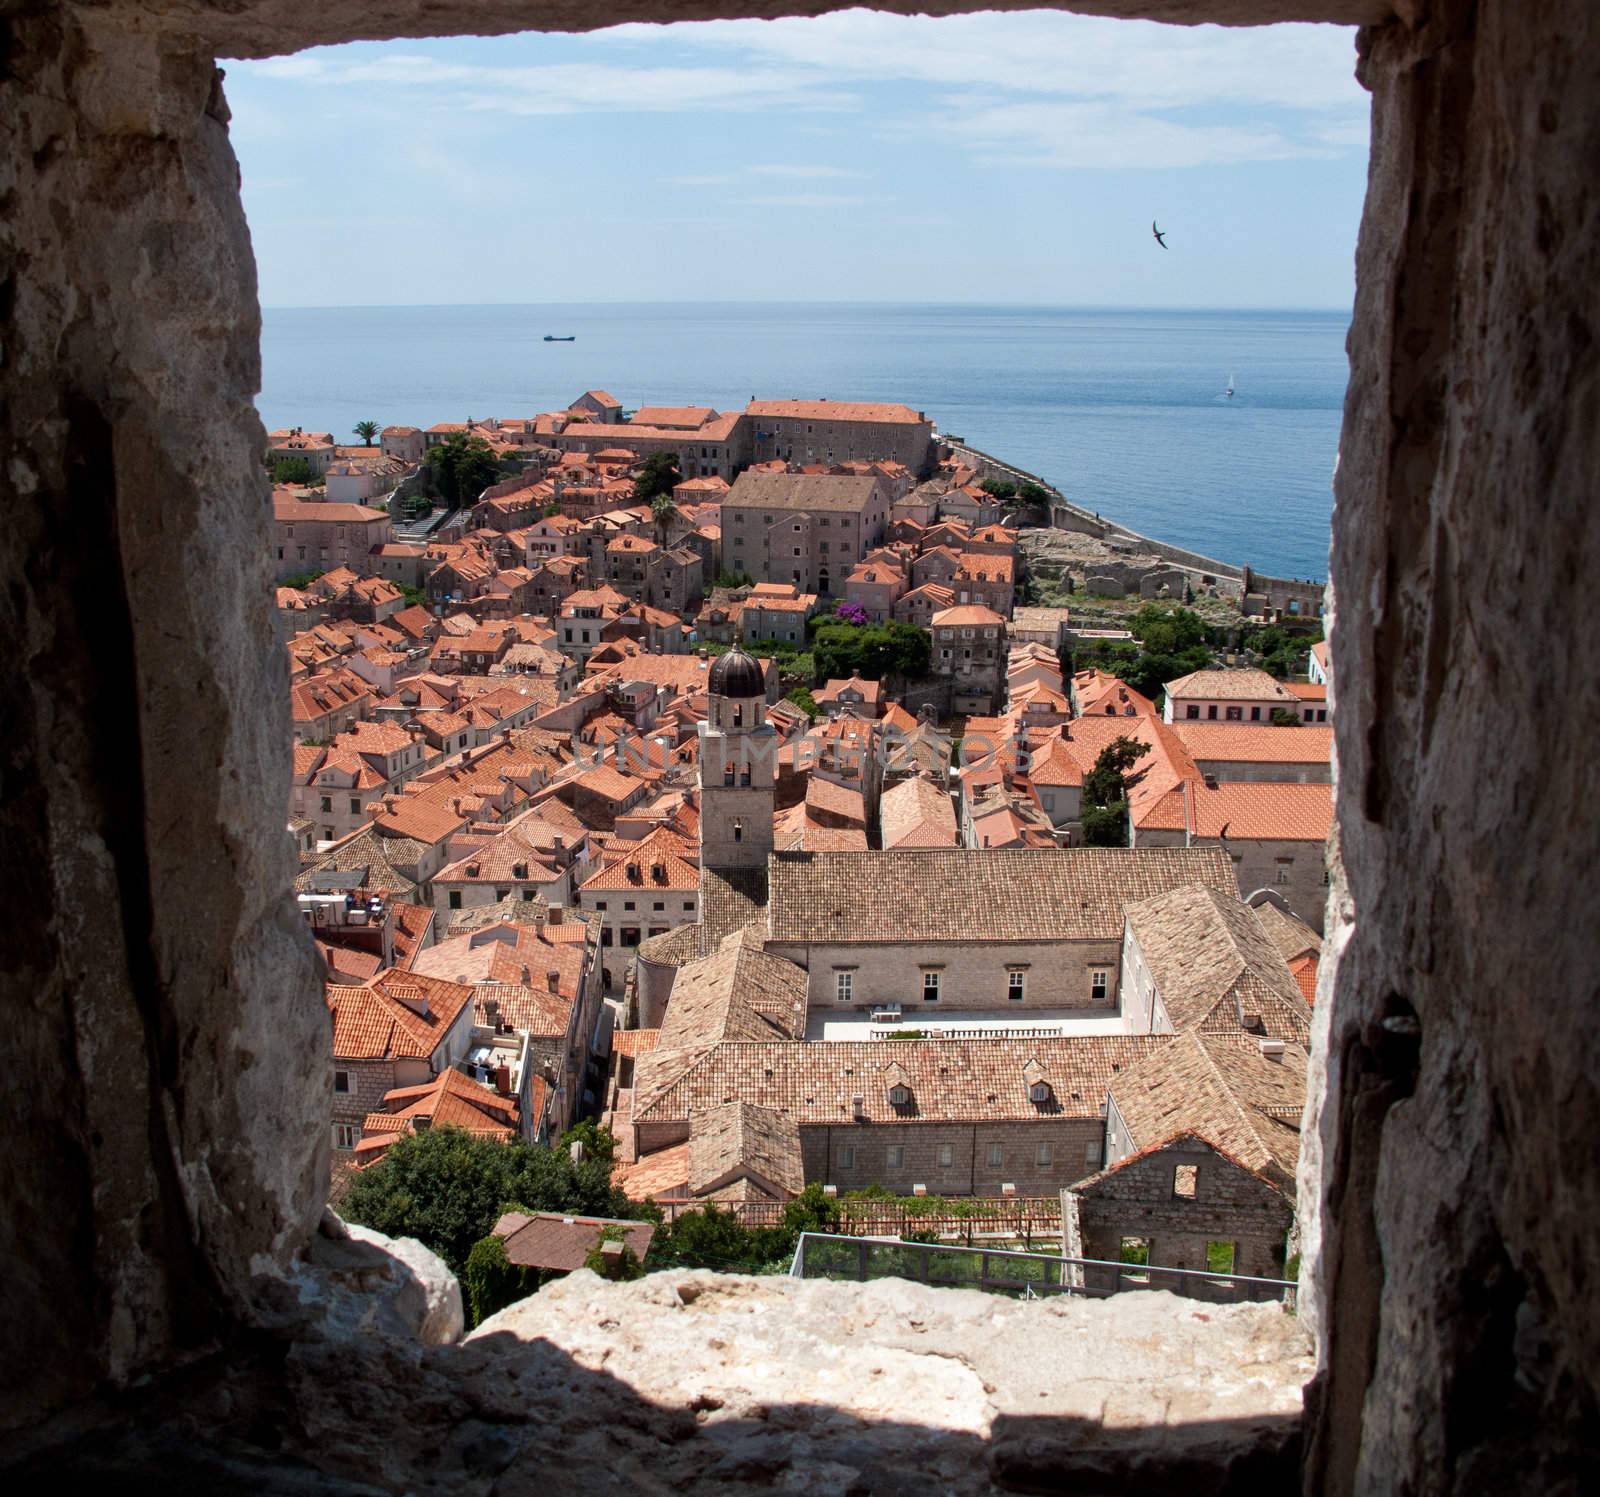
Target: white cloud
(1041, 87)
(804, 200)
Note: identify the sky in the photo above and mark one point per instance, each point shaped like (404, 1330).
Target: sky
(1016, 158)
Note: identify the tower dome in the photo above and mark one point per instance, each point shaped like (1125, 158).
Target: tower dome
(737, 674)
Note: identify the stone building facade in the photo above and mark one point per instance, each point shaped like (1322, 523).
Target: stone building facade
(805, 529)
(1179, 1200)
(319, 536)
(834, 431)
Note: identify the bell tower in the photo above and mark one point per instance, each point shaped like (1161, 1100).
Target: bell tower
(738, 766)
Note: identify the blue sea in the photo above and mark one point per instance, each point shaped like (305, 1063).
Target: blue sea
(1123, 411)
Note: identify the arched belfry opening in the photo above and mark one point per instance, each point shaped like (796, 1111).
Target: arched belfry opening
(166, 1153)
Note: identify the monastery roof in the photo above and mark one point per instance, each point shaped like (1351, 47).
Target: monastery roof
(809, 493)
(1021, 894)
(835, 410)
(968, 1081)
(738, 1138)
(1214, 966)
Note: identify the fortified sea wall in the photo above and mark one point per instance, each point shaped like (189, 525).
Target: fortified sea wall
(1267, 594)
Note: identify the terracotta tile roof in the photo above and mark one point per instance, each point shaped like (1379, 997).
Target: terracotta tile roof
(382, 859)
(1229, 686)
(966, 1081)
(1214, 966)
(397, 1014)
(559, 1244)
(1304, 970)
(795, 829)
(661, 1176)
(291, 510)
(986, 566)
(741, 1139)
(1308, 691)
(1248, 810)
(738, 992)
(451, 1101)
(634, 865)
(1256, 743)
(1109, 696)
(1223, 1089)
(686, 417)
(835, 410)
(965, 615)
(917, 813)
(807, 493)
(868, 691)
(1025, 894)
(1292, 937)
(634, 1042)
(838, 800)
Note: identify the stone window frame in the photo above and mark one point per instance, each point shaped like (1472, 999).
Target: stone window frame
(946, 1156)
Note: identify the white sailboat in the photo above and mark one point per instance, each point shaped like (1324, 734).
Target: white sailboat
(1230, 387)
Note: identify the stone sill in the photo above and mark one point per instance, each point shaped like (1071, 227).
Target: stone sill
(696, 1382)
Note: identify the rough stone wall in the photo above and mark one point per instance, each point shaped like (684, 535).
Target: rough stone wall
(167, 1047)
(1075, 1151)
(1453, 1153)
(1229, 1205)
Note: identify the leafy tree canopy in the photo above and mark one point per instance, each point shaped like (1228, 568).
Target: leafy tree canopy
(292, 470)
(999, 488)
(446, 1188)
(803, 700)
(658, 475)
(1105, 793)
(873, 652)
(1168, 628)
(463, 467)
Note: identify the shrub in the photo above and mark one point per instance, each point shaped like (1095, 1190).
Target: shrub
(492, 1281)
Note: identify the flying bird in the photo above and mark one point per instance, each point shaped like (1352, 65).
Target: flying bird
(1161, 238)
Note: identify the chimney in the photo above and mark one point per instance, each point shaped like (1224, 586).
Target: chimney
(502, 1080)
(555, 915)
(526, 977)
(553, 981)
(1008, 1189)
(858, 1105)
(1272, 1050)
(1211, 782)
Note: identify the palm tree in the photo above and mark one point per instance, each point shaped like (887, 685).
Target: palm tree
(366, 430)
(662, 509)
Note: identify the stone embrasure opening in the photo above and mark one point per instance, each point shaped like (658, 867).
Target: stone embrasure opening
(165, 1168)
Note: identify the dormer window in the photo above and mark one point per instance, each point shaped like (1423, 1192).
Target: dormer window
(1039, 1092)
(899, 1095)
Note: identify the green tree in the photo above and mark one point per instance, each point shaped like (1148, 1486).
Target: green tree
(300, 581)
(292, 470)
(462, 467)
(874, 651)
(657, 475)
(1105, 793)
(492, 1281)
(1284, 717)
(366, 430)
(1168, 629)
(999, 488)
(446, 1188)
(662, 509)
(597, 1142)
(1033, 495)
(803, 700)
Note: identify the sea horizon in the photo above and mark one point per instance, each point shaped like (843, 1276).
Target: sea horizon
(1125, 411)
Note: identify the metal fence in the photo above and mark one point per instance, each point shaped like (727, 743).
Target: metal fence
(826, 1255)
(1025, 1217)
